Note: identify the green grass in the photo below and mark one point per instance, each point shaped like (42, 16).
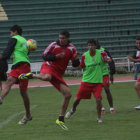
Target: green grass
(123, 125)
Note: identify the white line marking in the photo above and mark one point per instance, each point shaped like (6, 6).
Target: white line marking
(14, 116)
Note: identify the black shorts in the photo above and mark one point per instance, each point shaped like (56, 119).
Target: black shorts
(3, 70)
(3, 76)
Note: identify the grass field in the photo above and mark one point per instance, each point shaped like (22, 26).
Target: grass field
(46, 103)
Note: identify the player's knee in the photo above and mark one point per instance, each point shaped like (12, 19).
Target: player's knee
(137, 86)
(68, 95)
(10, 82)
(46, 77)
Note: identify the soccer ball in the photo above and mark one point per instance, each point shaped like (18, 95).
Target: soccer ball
(31, 45)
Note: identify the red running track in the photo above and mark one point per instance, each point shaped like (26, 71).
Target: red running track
(74, 82)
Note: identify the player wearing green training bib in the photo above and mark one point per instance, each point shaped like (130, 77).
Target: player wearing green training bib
(107, 77)
(21, 64)
(92, 77)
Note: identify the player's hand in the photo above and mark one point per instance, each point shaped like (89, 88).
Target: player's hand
(130, 58)
(107, 59)
(76, 56)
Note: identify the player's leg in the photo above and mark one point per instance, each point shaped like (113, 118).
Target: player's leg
(98, 106)
(64, 89)
(72, 111)
(109, 98)
(84, 92)
(97, 92)
(10, 81)
(45, 74)
(75, 104)
(106, 84)
(137, 88)
(136, 71)
(44, 77)
(67, 95)
(23, 84)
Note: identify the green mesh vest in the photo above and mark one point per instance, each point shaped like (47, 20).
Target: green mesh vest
(20, 53)
(104, 65)
(92, 72)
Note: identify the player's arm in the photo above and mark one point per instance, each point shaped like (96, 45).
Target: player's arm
(82, 63)
(133, 59)
(112, 68)
(9, 49)
(76, 61)
(105, 57)
(48, 54)
(75, 58)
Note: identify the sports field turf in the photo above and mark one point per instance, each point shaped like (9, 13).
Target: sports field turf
(46, 103)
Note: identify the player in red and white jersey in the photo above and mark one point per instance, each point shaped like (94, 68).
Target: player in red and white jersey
(56, 58)
(53, 53)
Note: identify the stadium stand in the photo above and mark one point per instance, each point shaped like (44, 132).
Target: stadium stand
(115, 24)
(3, 15)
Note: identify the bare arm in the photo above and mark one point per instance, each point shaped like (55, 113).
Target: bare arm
(133, 59)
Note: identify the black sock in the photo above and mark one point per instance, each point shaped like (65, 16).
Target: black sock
(61, 118)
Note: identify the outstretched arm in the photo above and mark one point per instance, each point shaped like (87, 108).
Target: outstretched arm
(133, 59)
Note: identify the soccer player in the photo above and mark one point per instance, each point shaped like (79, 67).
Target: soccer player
(56, 58)
(21, 64)
(3, 70)
(107, 79)
(137, 84)
(92, 77)
(136, 55)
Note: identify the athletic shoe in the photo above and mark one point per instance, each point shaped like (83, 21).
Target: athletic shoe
(0, 100)
(68, 114)
(26, 76)
(103, 110)
(99, 120)
(112, 111)
(62, 125)
(137, 107)
(25, 120)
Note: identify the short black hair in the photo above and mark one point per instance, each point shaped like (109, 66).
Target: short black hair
(137, 38)
(94, 41)
(65, 33)
(16, 28)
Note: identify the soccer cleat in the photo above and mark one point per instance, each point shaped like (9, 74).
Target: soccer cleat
(112, 111)
(99, 120)
(68, 114)
(103, 110)
(0, 100)
(137, 107)
(62, 125)
(26, 76)
(25, 120)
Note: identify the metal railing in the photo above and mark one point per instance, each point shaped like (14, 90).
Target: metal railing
(119, 62)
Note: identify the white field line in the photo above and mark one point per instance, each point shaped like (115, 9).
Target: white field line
(14, 116)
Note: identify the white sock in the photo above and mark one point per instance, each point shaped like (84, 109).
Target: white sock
(103, 108)
(111, 108)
